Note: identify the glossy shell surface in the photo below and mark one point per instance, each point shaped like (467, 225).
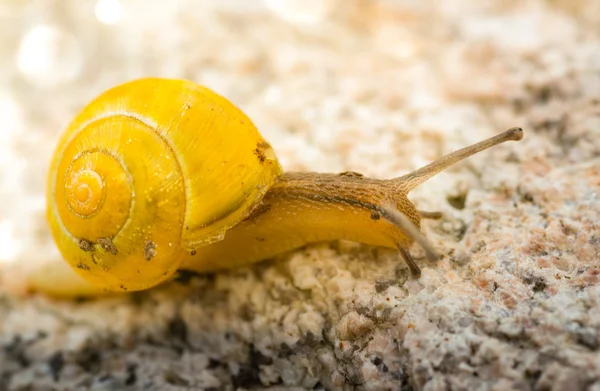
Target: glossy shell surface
(147, 174)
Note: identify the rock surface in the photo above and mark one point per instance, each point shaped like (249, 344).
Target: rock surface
(378, 87)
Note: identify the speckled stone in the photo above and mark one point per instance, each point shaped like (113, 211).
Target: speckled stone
(378, 87)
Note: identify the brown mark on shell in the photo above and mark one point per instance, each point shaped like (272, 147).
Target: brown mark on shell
(261, 147)
(85, 245)
(108, 245)
(149, 250)
(82, 266)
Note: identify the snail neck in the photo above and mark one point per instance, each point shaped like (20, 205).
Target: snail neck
(304, 208)
(347, 189)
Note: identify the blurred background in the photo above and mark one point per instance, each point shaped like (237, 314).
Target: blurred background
(379, 86)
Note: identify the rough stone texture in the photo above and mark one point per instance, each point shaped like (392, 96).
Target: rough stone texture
(378, 87)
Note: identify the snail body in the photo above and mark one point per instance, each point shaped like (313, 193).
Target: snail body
(158, 175)
(303, 208)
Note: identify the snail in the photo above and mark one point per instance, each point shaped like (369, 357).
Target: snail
(158, 175)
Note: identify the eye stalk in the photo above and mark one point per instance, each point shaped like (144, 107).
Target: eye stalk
(417, 177)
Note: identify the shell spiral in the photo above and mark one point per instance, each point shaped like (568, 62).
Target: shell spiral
(147, 174)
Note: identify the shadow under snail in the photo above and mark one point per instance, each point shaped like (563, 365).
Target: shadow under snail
(158, 175)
